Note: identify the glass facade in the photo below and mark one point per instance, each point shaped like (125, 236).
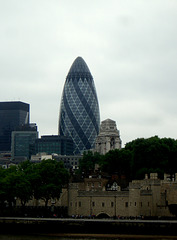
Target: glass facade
(12, 115)
(79, 115)
(54, 144)
(23, 143)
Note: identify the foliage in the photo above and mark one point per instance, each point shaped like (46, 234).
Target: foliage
(8, 182)
(41, 180)
(50, 176)
(88, 161)
(154, 155)
(117, 161)
(139, 157)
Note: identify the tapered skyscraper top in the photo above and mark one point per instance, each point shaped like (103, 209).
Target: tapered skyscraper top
(79, 66)
(79, 111)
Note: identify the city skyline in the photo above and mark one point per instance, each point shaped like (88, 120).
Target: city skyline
(130, 47)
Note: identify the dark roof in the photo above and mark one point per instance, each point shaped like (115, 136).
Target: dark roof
(79, 68)
(15, 105)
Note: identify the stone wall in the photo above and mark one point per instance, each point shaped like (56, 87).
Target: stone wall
(148, 197)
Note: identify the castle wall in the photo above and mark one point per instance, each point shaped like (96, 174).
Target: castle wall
(146, 197)
(95, 203)
(94, 196)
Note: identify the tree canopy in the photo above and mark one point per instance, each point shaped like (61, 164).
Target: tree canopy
(153, 155)
(137, 158)
(42, 180)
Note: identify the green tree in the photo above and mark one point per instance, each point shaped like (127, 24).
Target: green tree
(117, 161)
(8, 182)
(140, 156)
(88, 161)
(41, 180)
(23, 188)
(49, 177)
(2, 187)
(153, 154)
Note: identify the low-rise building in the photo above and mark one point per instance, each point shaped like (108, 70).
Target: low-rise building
(71, 162)
(100, 197)
(148, 197)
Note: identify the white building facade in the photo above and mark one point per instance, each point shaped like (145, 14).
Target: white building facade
(108, 137)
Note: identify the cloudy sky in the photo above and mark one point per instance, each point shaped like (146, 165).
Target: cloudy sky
(130, 47)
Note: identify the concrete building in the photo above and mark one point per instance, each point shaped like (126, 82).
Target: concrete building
(79, 110)
(71, 162)
(108, 137)
(37, 158)
(148, 197)
(5, 159)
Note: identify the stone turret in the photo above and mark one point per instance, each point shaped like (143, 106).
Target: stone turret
(108, 138)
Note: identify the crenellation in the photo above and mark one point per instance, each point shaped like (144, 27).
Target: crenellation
(147, 197)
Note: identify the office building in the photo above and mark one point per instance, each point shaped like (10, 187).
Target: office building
(70, 162)
(79, 115)
(23, 142)
(50, 144)
(12, 115)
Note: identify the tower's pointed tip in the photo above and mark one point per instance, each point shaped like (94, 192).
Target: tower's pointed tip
(79, 66)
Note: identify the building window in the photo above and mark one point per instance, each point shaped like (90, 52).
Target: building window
(112, 204)
(135, 204)
(102, 204)
(93, 204)
(141, 204)
(79, 204)
(126, 204)
(148, 204)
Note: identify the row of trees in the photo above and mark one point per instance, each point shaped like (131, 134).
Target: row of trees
(27, 180)
(45, 180)
(139, 157)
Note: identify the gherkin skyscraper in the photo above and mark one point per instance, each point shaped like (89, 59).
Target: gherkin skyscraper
(79, 115)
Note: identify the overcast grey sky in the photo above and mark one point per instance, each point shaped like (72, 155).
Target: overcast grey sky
(130, 47)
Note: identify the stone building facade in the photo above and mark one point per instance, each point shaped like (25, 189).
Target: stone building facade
(98, 197)
(148, 197)
(108, 137)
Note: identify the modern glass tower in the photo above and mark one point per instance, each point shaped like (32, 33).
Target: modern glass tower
(79, 115)
(23, 141)
(12, 115)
